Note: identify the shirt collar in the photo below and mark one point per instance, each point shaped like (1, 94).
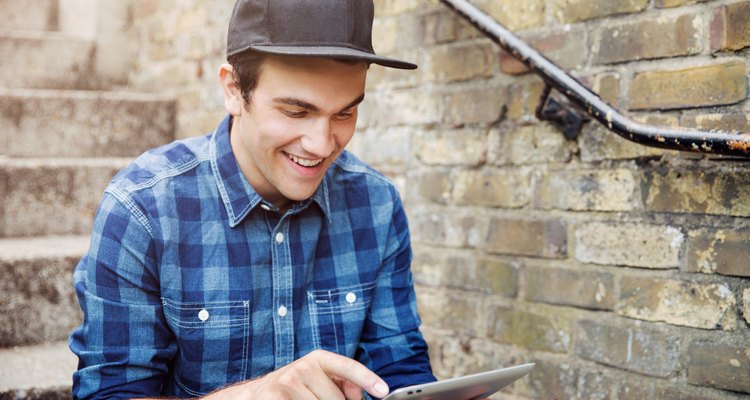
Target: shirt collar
(238, 195)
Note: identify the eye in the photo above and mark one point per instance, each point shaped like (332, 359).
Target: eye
(294, 113)
(344, 115)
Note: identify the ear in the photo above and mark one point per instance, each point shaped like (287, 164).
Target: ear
(233, 100)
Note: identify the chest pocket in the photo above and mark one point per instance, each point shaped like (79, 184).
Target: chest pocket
(338, 315)
(212, 340)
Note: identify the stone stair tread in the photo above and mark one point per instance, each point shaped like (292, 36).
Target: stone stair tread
(29, 14)
(57, 60)
(82, 123)
(40, 35)
(40, 367)
(27, 248)
(62, 192)
(84, 94)
(52, 162)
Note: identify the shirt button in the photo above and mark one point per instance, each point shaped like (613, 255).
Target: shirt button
(351, 297)
(265, 207)
(282, 311)
(203, 314)
(279, 237)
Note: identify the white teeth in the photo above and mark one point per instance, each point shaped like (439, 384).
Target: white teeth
(303, 162)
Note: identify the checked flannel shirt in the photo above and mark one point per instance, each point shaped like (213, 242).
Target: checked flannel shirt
(193, 281)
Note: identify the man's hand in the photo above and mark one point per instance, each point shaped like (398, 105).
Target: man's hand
(318, 375)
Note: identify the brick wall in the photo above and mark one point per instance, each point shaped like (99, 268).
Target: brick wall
(623, 271)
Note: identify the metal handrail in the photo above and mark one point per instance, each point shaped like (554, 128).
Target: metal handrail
(712, 142)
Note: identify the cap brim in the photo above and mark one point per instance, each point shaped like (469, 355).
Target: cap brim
(334, 52)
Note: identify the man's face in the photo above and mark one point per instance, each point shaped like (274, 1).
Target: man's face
(302, 114)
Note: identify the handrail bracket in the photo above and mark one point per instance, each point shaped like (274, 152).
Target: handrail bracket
(563, 115)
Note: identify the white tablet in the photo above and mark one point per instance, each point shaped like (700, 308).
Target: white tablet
(469, 387)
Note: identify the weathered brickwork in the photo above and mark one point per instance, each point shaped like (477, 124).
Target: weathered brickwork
(622, 270)
(677, 36)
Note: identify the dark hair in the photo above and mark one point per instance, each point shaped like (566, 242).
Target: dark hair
(246, 66)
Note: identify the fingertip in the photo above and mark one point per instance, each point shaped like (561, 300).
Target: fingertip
(380, 389)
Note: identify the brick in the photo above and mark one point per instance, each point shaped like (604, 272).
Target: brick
(396, 7)
(582, 289)
(585, 190)
(544, 330)
(568, 11)
(746, 304)
(383, 78)
(492, 187)
(597, 143)
(696, 191)
(729, 122)
(144, 8)
(391, 35)
(460, 62)
(434, 267)
(534, 144)
(724, 365)
(607, 86)
(696, 305)
(635, 245)
(635, 40)
(663, 390)
(464, 147)
(674, 3)
(431, 186)
(401, 107)
(447, 229)
(596, 386)
(720, 251)
(458, 355)
(566, 48)
(523, 104)
(553, 380)
(517, 15)
(720, 83)
(370, 146)
(730, 27)
(443, 26)
(474, 105)
(455, 311)
(535, 238)
(633, 348)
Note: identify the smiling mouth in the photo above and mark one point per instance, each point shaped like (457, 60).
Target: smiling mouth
(304, 162)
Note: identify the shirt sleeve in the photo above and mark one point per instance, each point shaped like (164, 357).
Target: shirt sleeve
(124, 345)
(391, 344)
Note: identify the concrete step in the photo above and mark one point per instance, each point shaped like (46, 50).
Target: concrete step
(38, 301)
(37, 372)
(58, 196)
(57, 123)
(46, 60)
(39, 15)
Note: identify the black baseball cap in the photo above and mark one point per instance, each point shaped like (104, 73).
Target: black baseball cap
(323, 28)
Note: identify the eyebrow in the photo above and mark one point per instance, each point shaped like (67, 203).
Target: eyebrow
(312, 107)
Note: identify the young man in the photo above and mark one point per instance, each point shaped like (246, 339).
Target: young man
(261, 261)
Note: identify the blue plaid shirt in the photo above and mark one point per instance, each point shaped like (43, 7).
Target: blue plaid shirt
(193, 281)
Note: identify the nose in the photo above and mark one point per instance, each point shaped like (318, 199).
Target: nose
(319, 140)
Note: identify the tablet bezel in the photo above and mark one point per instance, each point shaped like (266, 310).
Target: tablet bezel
(467, 387)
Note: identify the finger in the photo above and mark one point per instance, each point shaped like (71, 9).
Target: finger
(309, 374)
(357, 374)
(351, 391)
